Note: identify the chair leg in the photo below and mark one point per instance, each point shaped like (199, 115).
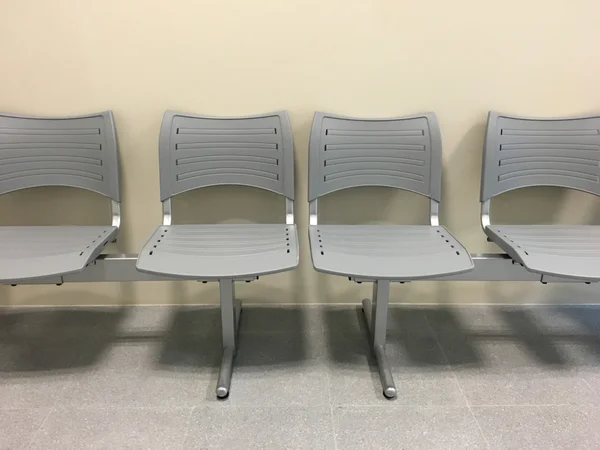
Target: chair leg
(376, 316)
(231, 309)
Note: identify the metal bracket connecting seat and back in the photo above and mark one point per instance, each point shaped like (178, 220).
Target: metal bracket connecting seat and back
(79, 152)
(524, 152)
(403, 153)
(196, 152)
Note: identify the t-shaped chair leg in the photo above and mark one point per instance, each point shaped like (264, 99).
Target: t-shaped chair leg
(231, 309)
(376, 315)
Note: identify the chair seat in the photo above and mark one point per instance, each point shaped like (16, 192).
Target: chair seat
(402, 252)
(36, 252)
(220, 251)
(571, 251)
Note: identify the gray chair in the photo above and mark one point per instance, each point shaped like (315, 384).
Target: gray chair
(197, 152)
(523, 152)
(403, 153)
(79, 152)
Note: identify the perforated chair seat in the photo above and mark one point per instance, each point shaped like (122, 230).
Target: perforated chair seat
(402, 252)
(220, 251)
(571, 251)
(42, 251)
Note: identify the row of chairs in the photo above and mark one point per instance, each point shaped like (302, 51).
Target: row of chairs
(258, 151)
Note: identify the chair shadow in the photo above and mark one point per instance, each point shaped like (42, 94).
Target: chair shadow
(38, 341)
(587, 317)
(460, 346)
(414, 333)
(192, 339)
(540, 345)
(524, 328)
(49, 341)
(347, 336)
(268, 336)
(408, 329)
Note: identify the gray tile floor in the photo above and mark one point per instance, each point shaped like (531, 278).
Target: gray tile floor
(144, 377)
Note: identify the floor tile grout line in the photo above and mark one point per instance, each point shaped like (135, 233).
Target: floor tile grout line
(329, 394)
(452, 371)
(35, 434)
(187, 428)
(58, 408)
(331, 411)
(335, 446)
(531, 405)
(590, 387)
(20, 408)
(51, 409)
(449, 407)
(183, 407)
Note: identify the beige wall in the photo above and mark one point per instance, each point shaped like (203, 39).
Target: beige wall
(367, 58)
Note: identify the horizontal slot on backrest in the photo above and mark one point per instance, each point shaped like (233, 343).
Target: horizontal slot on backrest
(534, 132)
(548, 160)
(226, 131)
(52, 172)
(373, 172)
(49, 158)
(43, 131)
(373, 159)
(550, 146)
(227, 171)
(226, 145)
(372, 147)
(547, 173)
(227, 157)
(337, 132)
(49, 145)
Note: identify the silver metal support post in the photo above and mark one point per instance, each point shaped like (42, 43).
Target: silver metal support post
(434, 213)
(115, 211)
(231, 309)
(486, 214)
(376, 315)
(313, 212)
(167, 211)
(289, 211)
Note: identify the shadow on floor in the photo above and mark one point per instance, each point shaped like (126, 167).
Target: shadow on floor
(192, 339)
(552, 337)
(49, 340)
(38, 340)
(267, 337)
(347, 335)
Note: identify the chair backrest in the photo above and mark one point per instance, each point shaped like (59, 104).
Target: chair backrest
(523, 152)
(198, 151)
(402, 152)
(80, 152)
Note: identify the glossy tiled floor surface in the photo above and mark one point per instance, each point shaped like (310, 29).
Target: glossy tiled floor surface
(468, 377)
